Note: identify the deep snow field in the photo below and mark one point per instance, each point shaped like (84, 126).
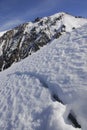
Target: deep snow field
(27, 87)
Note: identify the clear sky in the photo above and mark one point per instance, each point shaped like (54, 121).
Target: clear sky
(14, 12)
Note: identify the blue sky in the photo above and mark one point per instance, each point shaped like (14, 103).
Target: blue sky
(15, 12)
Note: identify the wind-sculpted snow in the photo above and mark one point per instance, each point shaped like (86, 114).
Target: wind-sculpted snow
(26, 88)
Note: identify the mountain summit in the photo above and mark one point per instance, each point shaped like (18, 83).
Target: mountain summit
(18, 43)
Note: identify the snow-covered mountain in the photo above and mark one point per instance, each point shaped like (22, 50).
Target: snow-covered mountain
(18, 43)
(48, 89)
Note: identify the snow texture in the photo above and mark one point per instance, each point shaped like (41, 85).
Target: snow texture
(26, 88)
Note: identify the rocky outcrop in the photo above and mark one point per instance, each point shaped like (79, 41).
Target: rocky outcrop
(73, 120)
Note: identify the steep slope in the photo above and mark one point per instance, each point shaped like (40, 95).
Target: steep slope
(21, 41)
(48, 90)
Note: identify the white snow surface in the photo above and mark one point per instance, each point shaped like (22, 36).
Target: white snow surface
(69, 21)
(1, 33)
(26, 88)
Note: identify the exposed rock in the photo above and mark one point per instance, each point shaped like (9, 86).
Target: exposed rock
(56, 98)
(37, 19)
(57, 35)
(73, 119)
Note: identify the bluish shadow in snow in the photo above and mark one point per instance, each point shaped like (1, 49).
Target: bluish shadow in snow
(54, 87)
(32, 74)
(43, 80)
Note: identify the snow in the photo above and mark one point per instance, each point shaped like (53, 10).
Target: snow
(26, 88)
(69, 21)
(1, 33)
(1, 52)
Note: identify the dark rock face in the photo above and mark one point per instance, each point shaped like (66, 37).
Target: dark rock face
(56, 98)
(25, 39)
(73, 119)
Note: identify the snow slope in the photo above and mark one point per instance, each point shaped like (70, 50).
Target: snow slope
(27, 88)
